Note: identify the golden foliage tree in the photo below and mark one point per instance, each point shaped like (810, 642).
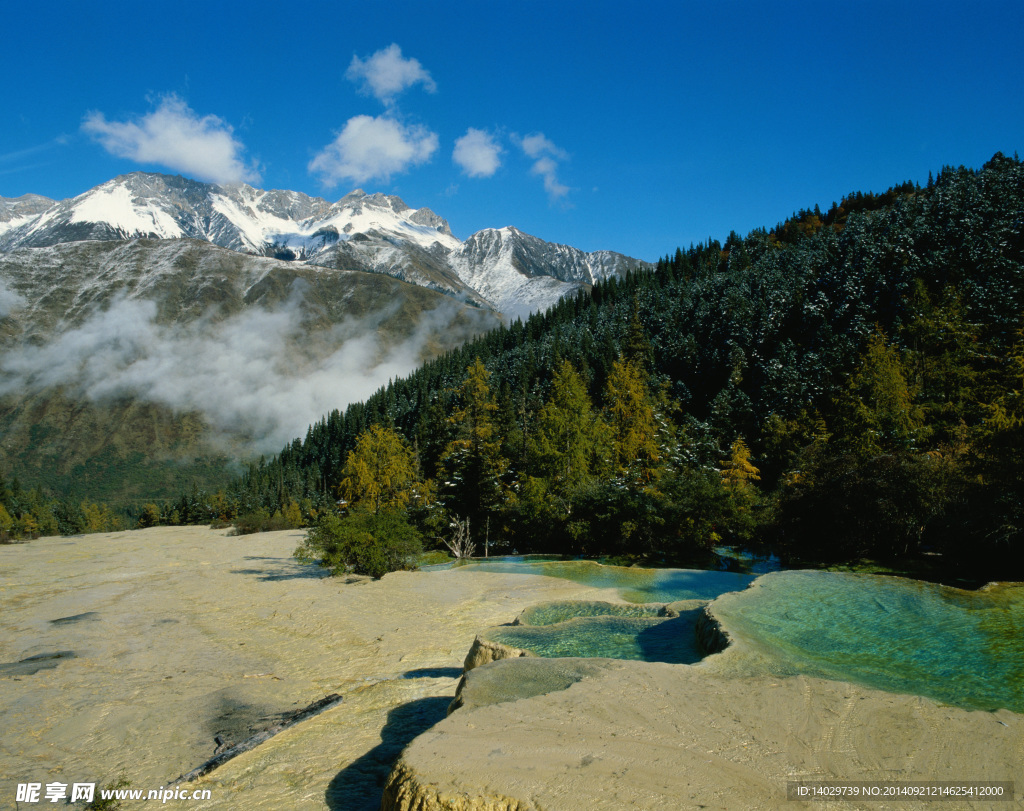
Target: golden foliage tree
(6, 520)
(570, 439)
(877, 413)
(380, 472)
(633, 421)
(738, 471)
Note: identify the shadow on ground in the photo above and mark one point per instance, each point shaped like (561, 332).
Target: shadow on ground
(284, 569)
(673, 641)
(433, 673)
(359, 786)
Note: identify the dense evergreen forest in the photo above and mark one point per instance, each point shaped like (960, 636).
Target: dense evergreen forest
(846, 386)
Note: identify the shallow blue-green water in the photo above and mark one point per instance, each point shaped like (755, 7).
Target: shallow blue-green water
(615, 637)
(590, 629)
(634, 584)
(964, 648)
(561, 610)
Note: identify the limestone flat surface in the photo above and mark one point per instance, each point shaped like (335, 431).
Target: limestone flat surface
(150, 643)
(134, 651)
(659, 736)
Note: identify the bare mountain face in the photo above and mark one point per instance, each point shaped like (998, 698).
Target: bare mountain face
(156, 327)
(19, 210)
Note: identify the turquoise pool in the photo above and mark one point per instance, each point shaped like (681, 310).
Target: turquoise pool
(964, 648)
(633, 584)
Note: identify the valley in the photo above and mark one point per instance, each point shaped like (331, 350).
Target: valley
(159, 333)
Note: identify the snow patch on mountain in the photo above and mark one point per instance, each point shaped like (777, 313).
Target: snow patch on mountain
(115, 206)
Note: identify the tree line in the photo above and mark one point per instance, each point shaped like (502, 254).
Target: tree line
(845, 386)
(30, 513)
(865, 364)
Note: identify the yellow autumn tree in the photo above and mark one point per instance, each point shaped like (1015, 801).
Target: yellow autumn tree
(150, 516)
(633, 421)
(380, 472)
(877, 413)
(98, 517)
(738, 471)
(292, 514)
(570, 439)
(6, 521)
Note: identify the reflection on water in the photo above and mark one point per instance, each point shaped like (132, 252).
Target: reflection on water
(960, 647)
(634, 584)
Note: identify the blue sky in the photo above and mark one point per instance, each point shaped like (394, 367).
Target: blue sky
(636, 128)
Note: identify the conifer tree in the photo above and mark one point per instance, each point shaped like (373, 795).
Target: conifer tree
(633, 422)
(738, 471)
(878, 413)
(6, 521)
(472, 465)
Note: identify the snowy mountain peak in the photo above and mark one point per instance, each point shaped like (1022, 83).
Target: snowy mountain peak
(15, 211)
(235, 216)
(519, 273)
(504, 268)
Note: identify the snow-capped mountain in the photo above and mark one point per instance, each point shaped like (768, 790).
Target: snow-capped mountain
(505, 269)
(19, 210)
(128, 367)
(154, 327)
(520, 274)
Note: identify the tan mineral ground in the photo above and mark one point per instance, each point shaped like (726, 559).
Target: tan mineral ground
(174, 637)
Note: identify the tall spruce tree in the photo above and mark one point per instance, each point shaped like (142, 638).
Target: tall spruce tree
(471, 467)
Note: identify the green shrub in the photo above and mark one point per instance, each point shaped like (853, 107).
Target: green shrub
(260, 521)
(363, 542)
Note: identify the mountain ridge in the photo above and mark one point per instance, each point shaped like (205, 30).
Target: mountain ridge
(377, 233)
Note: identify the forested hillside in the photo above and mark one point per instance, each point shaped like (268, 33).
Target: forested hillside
(845, 385)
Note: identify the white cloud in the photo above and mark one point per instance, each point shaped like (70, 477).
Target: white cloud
(548, 170)
(373, 147)
(259, 376)
(539, 144)
(10, 300)
(477, 153)
(386, 74)
(176, 137)
(545, 156)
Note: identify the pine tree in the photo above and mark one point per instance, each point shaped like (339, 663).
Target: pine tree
(471, 467)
